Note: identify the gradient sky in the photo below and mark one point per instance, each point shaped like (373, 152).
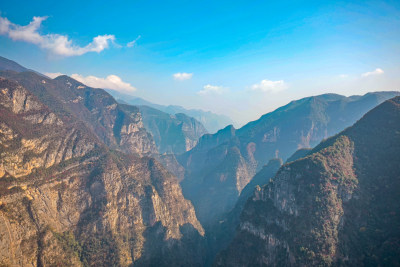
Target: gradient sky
(238, 58)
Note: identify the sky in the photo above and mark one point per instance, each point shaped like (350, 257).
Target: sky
(237, 58)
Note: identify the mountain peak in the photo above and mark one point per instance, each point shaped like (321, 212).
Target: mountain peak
(337, 205)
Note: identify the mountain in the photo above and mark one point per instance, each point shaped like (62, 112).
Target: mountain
(72, 100)
(6, 64)
(68, 199)
(211, 121)
(300, 153)
(219, 235)
(221, 165)
(336, 206)
(82, 181)
(174, 134)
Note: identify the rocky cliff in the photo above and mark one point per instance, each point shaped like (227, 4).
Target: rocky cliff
(337, 206)
(173, 134)
(212, 177)
(66, 199)
(211, 121)
(32, 136)
(220, 234)
(98, 110)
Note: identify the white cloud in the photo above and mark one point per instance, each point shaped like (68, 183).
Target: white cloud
(268, 86)
(181, 76)
(53, 74)
(211, 89)
(377, 71)
(55, 43)
(4, 25)
(343, 76)
(110, 82)
(130, 44)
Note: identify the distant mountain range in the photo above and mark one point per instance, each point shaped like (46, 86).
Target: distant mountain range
(78, 185)
(337, 206)
(222, 164)
(86, 180)
(173, 134)
(211, 121)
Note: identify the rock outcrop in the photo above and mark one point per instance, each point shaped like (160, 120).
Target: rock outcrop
(72, 100)
(220, 234)
(32, 136)
(337, 206)
(211, 121)
(221, 165)
(66, 199)
(173, 134)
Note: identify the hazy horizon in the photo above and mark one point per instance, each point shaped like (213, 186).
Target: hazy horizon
(237, 59)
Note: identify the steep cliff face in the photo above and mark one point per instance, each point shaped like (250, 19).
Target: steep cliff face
(300, 124)
(71, 100)
(336, 206)
(32, 136)
(172, 133)
(219, 191)
(220, 234)
(100, 212)
(211, 121)
(66, 199)
(261, 178)
(170, 162)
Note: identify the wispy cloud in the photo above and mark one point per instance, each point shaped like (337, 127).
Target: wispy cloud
(110, 82)
(211, 89)
(53, 74)
(377, 71)
(132, 43)
(268, 86)
(55, 43)
(181, 76)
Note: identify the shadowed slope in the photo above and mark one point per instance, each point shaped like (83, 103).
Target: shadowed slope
(338, 205)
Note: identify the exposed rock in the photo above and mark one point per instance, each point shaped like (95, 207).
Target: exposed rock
(172, 133)
(31, 135)
(336, 206)
(71, 101)
(96, 212)
(67, 200)
(300, 124)
(211, 121)
(172, 165)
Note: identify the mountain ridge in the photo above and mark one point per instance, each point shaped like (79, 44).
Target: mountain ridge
(174, 134)
(300, 124)
(71, 99)
(335, 206)
(67, 198)
(213, 122)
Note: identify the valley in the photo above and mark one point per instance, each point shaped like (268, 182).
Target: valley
(87, 179)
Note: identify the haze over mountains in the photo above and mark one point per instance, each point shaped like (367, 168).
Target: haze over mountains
(211, 121)
(222, 164)
(88, 180)
(337, 206)
(174, 134)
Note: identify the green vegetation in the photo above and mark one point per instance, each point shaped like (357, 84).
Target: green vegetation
(69, 243)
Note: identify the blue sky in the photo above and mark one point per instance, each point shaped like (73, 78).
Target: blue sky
(238, 58)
